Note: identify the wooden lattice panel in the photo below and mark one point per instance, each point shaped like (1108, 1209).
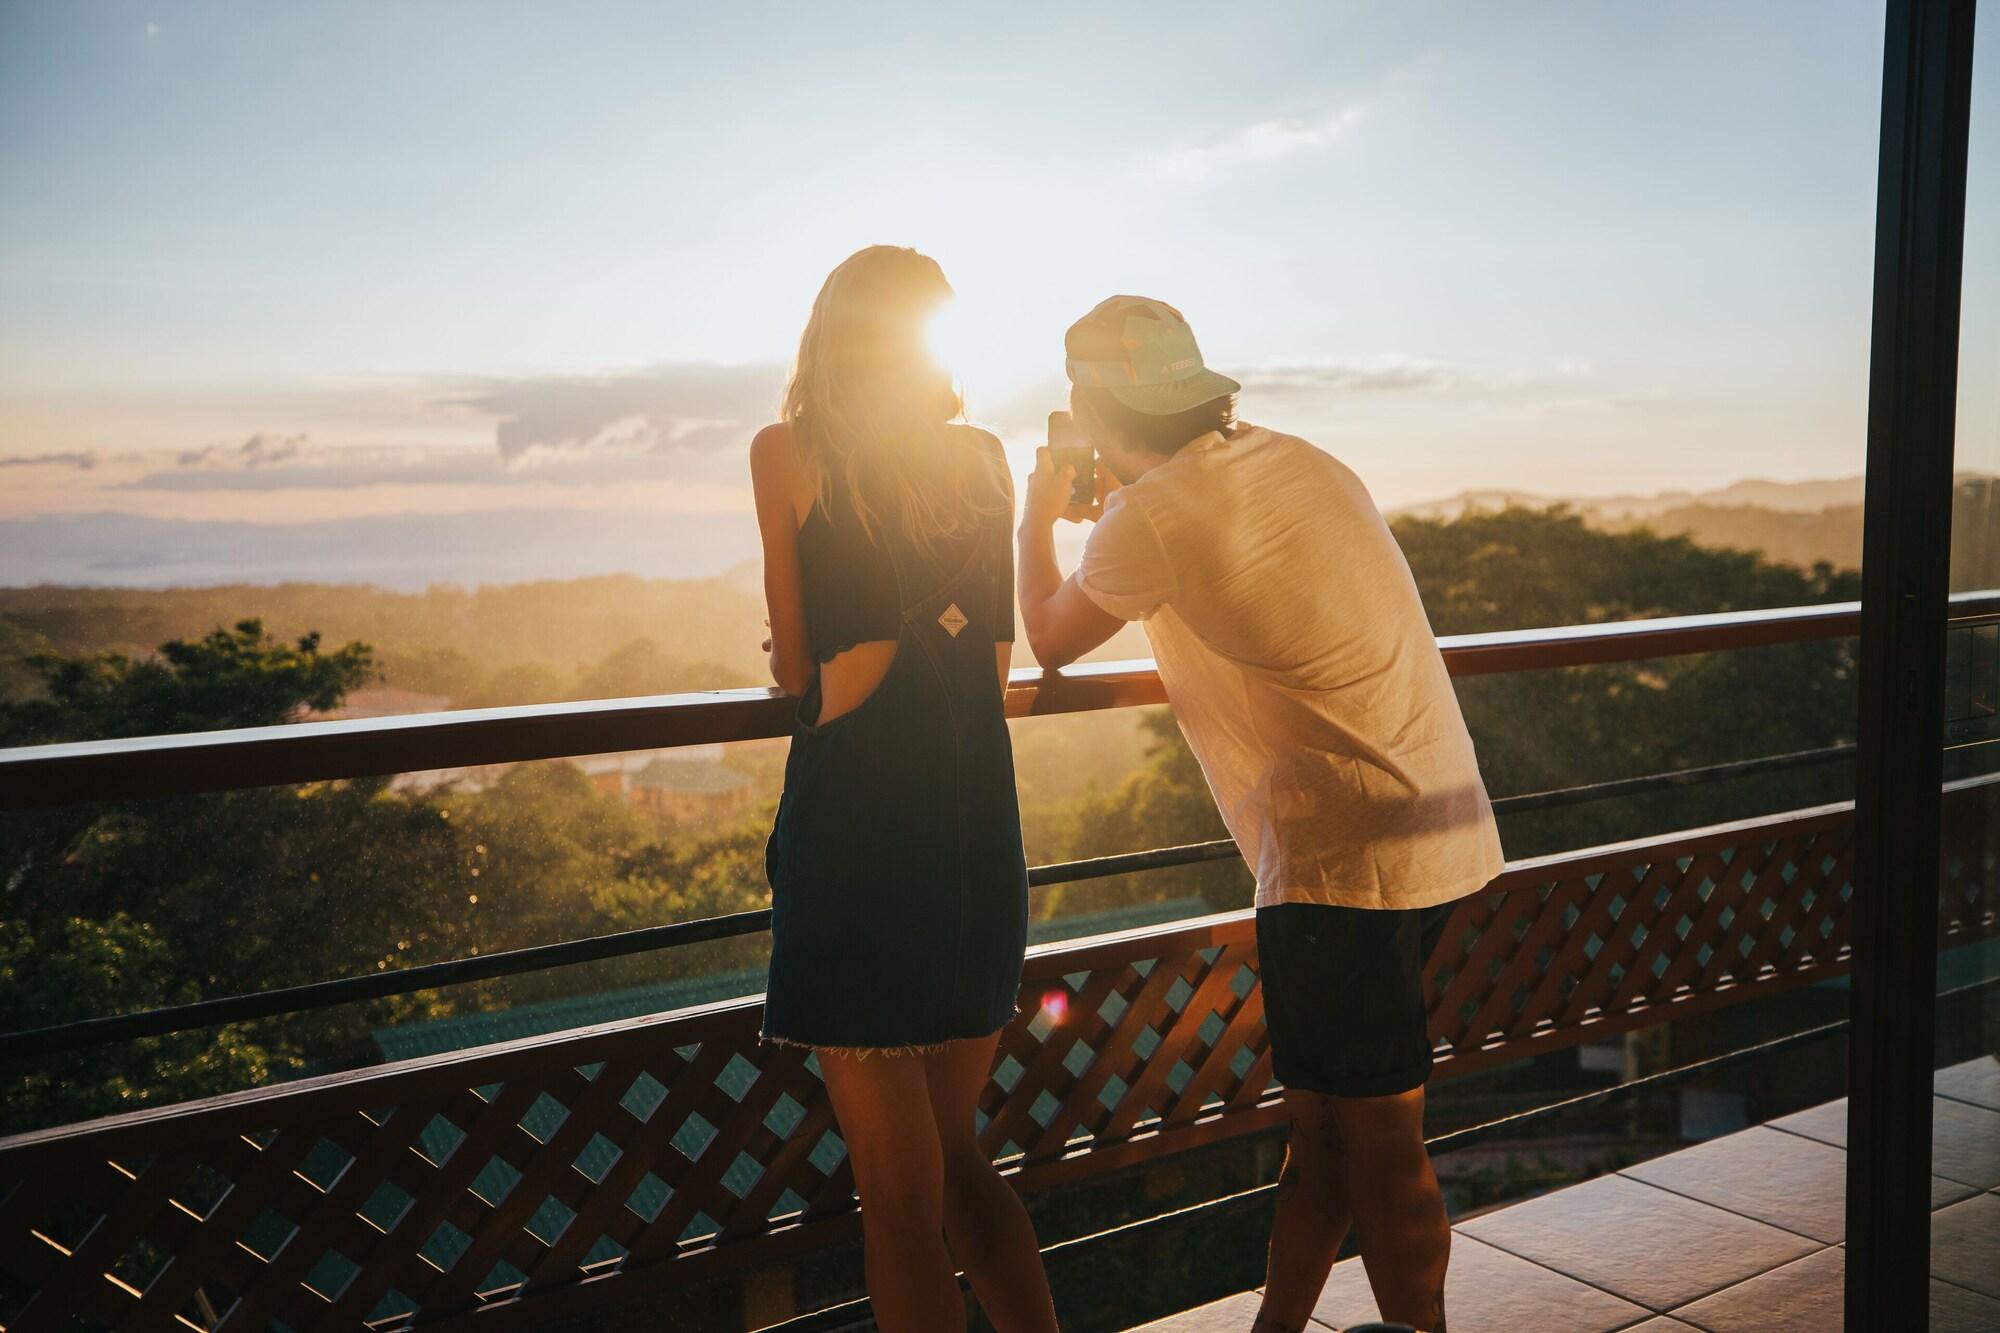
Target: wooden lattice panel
(1630, 935)
(537, 1179)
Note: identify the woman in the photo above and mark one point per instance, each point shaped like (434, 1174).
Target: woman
(898, 883)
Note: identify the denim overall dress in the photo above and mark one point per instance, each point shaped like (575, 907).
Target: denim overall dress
(899, 888)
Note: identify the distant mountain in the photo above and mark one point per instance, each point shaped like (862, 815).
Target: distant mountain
(1779, 496)
(1794, 537)
(1798, 523)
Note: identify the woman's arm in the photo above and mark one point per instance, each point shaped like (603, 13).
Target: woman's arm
(1002, 537)
(775, 479)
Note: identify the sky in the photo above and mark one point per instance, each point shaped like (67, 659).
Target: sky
(334, 263)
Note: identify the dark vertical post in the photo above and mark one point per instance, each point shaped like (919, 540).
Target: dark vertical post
(1912, 393)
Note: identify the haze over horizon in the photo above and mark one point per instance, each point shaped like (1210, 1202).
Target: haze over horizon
(414, 551)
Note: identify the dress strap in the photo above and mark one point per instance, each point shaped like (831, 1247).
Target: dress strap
(911, 607)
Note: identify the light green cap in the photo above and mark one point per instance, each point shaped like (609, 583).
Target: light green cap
(1142, 353)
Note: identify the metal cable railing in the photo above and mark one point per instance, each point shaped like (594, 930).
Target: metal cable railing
(51, 775)
(89, 1032)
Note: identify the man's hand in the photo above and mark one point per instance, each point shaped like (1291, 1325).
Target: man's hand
(1048, 496)
(1061, 622)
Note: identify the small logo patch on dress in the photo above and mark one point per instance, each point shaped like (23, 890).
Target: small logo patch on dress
(953, 620)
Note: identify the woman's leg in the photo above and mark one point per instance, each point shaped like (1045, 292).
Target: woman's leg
(882, 1103)
(990, 1234)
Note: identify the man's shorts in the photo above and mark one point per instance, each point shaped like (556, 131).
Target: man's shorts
(1343, 995)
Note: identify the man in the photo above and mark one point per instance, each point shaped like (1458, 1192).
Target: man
(1303, 671)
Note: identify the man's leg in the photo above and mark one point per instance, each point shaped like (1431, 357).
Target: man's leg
(1312, 1215)
(1344, 1006)
(1399, 1216)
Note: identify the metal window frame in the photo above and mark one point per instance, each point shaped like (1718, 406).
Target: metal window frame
(1912, 399)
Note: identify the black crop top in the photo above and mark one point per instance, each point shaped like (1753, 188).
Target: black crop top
(849, 585)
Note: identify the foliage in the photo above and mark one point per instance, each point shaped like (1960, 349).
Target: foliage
(1544, 730)
(120, 907)
(87, 969)
(238, 677)
(499, 643)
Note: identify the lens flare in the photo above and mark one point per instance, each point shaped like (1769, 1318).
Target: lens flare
(1056, 1005)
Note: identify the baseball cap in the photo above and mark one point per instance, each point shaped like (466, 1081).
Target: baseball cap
(1143, 354)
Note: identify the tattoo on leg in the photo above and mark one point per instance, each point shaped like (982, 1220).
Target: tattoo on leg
(1437, 1313)
(1329, 1133)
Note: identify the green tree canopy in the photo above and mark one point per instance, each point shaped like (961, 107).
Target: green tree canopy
(238, 677)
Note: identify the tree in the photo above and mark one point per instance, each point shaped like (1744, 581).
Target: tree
(227, 678)
(1541, 730)
(86, 969)
(641, 667)
(237, 677)
(125, 906)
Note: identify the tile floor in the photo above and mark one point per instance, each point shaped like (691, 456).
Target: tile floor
(1737, 1234)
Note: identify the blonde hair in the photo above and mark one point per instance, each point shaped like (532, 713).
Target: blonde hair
(867, 397)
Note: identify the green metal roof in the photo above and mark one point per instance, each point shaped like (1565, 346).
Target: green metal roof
(529, 1020)
(439, 1035)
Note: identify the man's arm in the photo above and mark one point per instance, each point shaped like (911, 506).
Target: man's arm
(1062, 623)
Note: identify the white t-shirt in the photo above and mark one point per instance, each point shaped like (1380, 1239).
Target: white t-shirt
(1302, 669)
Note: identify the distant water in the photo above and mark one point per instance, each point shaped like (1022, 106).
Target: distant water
(406, 553)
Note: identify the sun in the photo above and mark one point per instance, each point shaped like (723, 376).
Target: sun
(985, 350)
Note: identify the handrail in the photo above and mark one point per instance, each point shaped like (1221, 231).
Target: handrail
(67, 773)
(1114, 684)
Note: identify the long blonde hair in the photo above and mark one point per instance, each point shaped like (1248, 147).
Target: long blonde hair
(867, 397)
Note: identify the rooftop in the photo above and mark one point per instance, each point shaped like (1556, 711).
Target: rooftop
(692, 777)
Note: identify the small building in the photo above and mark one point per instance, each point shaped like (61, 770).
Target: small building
(677, 788)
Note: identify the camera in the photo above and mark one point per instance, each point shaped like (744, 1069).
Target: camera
(1068, 448)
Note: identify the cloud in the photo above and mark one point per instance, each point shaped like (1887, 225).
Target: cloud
(260, 450)
(683, 425)
(347, 468)
(684, 409)
(1266, 140)
(1387, 376)
(82, 461)
(1402, 374)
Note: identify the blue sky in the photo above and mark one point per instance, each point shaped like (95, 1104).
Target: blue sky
(1569, 248)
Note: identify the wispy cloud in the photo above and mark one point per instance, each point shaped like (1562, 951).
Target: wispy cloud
(260, 450)
(1264, 141)
(1403, 374)
(695, 409)
(1388, 376)
(82, 461)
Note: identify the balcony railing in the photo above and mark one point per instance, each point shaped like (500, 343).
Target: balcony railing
(510, 1185)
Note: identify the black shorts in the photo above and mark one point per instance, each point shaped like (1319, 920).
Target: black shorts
(1343, 995)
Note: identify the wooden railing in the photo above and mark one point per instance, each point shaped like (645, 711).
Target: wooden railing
(506, 1186)
(112, 770)
(527, 1181)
